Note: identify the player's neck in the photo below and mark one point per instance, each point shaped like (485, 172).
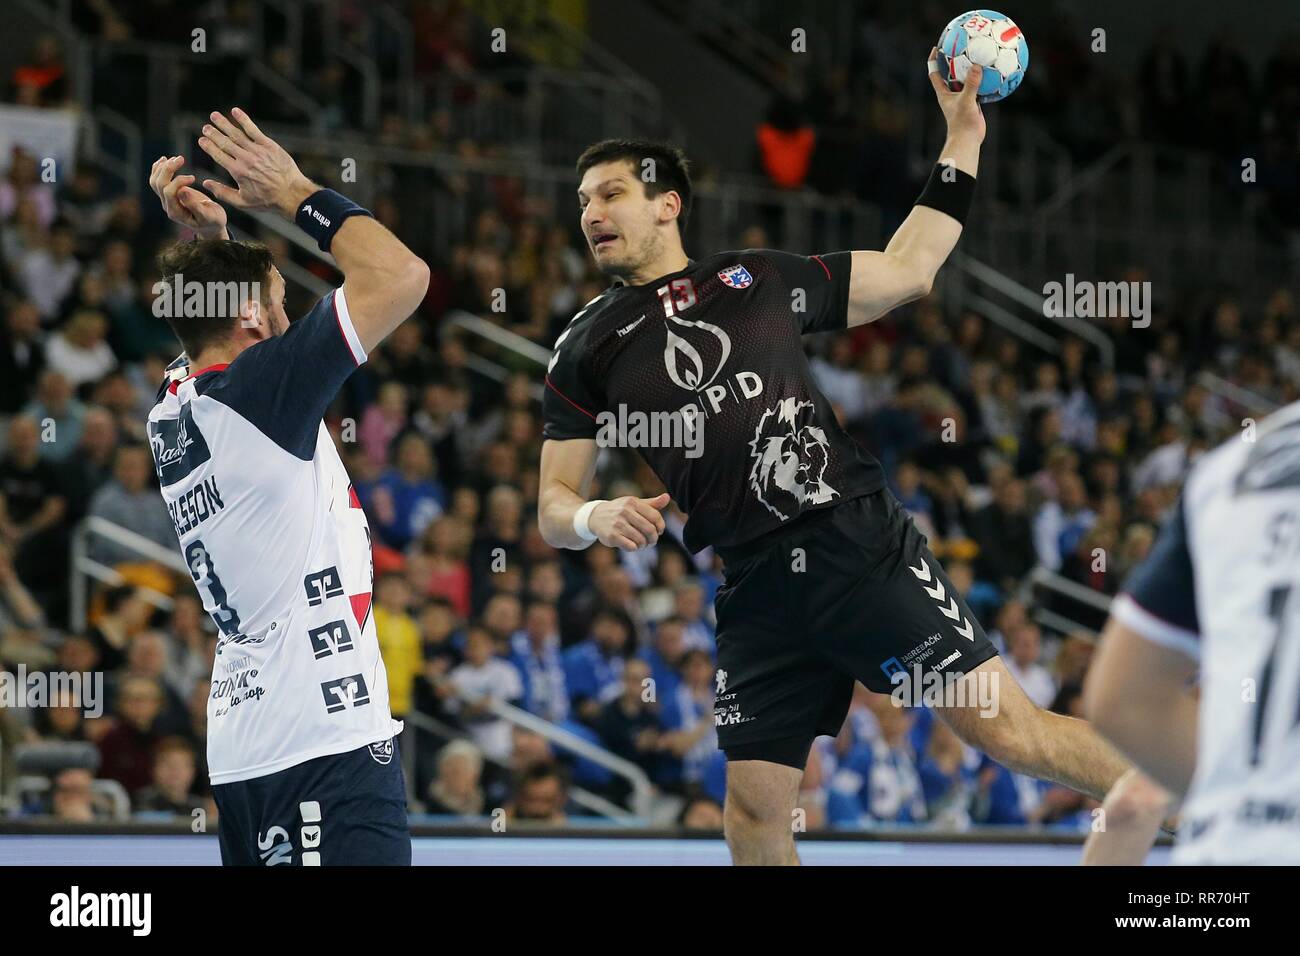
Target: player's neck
(215, 355)
(666, 264)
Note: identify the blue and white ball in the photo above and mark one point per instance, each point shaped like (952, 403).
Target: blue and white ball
(994, 42)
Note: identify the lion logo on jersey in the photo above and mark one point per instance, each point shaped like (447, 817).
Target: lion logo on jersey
(790, 460)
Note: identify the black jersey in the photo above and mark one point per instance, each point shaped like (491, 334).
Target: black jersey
(717, 345)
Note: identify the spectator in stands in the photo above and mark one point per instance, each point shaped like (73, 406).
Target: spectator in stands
(701, 813)
(72, 799)
(666, 655)
(32, 511)
(1024, 647)
(130, 500)
(190, 632)
(79, 349)
(502, 617)
(18, 609)
(60, 413)
(456, 790)
(540, 795)
(23, 184)
(1061, 524)
(593, 669)
(629, 724)
(446, 543)
(171, 792)
(48, 275)
(383, 422)
(690, 607)
(689, 740)
(41, 79)
(22, 354)
(480, 682)
(399, 640)
(406, 498)
(149, 657)
(535, 652)
(62, 720)
(878, 780)
(126, 750)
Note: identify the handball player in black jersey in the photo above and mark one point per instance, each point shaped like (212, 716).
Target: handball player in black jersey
(827, 580)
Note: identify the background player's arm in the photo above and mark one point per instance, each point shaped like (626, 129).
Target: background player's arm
(1132, 813)
(1138, 694)
(567, 468)
(905, 270)
(384, 280)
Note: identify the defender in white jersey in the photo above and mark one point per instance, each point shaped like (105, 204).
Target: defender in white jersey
(1217, 603)
(301, 746)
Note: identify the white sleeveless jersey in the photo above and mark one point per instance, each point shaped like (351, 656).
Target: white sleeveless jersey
(1222, 584)
(278, 547)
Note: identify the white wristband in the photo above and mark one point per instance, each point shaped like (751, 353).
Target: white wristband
(580, 518)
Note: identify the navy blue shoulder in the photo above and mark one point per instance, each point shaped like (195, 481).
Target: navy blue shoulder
(284, 385)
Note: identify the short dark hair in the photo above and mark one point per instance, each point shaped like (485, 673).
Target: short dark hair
(671, 167)
(213, 260)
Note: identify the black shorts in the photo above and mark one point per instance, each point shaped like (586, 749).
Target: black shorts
(846, 593)
(345, 809)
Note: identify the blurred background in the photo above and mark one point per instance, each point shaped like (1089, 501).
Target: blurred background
(1162, 149)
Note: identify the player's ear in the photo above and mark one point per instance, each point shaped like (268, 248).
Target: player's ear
(256, 318)
(670, 206)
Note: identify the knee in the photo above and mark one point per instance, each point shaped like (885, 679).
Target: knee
(1135, 799)
(740, 813)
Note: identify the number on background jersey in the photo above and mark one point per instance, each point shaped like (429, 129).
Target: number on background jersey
(205, 576)
(677, 296)
(1278, 602)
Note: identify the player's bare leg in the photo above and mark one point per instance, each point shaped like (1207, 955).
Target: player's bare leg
(758, 814)
(1023, 737)
(1131, 816)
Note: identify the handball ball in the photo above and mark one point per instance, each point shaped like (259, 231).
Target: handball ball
(994, 42)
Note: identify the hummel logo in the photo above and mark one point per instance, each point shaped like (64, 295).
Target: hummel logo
(626, 329)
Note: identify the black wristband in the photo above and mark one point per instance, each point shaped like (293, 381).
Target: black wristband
(323, 212)
(948, 190)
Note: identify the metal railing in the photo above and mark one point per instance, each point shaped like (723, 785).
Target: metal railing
(112, 792)
(83, 569)
(987, 277)
(642, 789)
(1041, 577)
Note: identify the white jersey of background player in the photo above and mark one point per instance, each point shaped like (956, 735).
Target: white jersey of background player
(1218, 600)
(278, 547)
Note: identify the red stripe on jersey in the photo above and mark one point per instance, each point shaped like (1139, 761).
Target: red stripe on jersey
(334, 301)
(1009, 33)
(569, 400)
(220, 366)
(822, 264)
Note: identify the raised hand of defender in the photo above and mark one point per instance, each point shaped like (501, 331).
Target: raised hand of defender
(184, 204)
(629, 523)
(961, 109)
(266, 176)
